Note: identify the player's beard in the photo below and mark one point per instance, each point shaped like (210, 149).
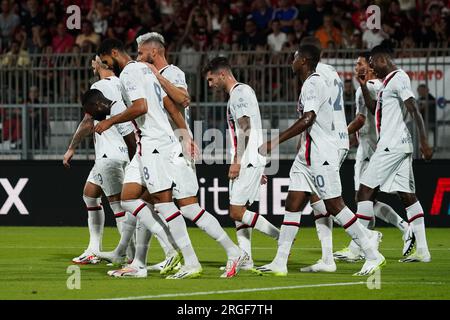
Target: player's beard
(149, 59)
(116, 67)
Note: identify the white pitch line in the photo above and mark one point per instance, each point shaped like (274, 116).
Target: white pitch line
(253, 248)
(203, 293)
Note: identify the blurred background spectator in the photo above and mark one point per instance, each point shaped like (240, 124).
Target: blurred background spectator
(9, 21)
(241, 24)
(349, 99)
(277, 38)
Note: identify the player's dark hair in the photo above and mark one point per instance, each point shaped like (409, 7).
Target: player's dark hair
(216, 64)
(311, 41)
(382, 49)
(90, 99)
(364, 54)
(312, 53)
(108, 45)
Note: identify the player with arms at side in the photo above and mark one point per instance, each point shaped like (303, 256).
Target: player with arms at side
(247, 167)
(158, 149)
(390, 168)
(323, 154)
(301, 190)
(363, 125)
(322, 219)
(113, 151)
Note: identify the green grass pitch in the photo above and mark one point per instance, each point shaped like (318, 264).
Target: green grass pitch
(34, 262)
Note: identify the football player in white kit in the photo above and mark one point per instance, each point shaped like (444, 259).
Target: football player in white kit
(390, 167)
(113, 151)
(247, 167)
(363, 125)
(321, 153)
(158, 150)
(322, 219)
(151, 50)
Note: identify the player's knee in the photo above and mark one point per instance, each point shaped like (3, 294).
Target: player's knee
(236, 213)
(408, 199)
(334, 206)
(364, 193)
(92, 201)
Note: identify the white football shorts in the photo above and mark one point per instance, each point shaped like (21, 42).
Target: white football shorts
(245, 188)
(392, 171)
(108, 174)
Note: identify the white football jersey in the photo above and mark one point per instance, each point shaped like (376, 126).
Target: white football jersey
(176, 77)
(391, 113)
(243, 102)
(321, 137)
(153, 128)
(367, 135)
(110, 144)
(336, 100)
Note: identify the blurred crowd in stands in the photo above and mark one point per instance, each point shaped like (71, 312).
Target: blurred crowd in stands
(33, 26)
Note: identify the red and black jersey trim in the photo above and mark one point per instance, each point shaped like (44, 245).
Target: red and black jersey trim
(255, 218)
(363, 217)
(379, 111)
(232, 123)
(308, 149)
(119, 214)
(138, 209)
(291, 223)
(232, 126)
(417, 216)
(351, 222)
(94, 208)
(173, 216)
(320, 216)
(138, 134)
(198, 216)
(243, 226)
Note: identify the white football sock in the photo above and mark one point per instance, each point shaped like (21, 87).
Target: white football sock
(388, 215)
(244, 237)
(143, 237)
(177, 227)
(208, 223)
(120, 215)
(365, 212)
(356, 230)
(288, 231)
(324, 227)
(260, 223)
(164, 237)
(417, 222)
(96, 222)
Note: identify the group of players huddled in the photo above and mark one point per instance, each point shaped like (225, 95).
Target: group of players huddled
(145, 161)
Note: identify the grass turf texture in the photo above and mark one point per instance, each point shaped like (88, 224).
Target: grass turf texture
(34, 260)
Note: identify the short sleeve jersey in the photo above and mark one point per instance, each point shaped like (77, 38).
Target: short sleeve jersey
(139, 82)
(243, 102)
(391, 113)
(176, 77)
(110, 144)
(367, 135)
(336, 88)
(321, 136)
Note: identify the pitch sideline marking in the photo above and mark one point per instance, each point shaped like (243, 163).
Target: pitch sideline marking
(203, 293)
